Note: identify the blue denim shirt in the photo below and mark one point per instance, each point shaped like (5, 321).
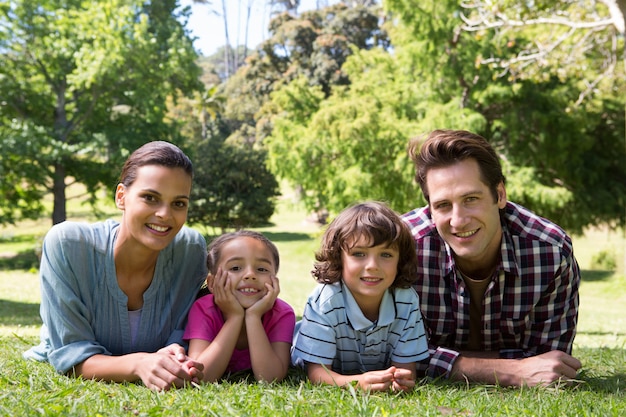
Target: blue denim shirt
(85, 312)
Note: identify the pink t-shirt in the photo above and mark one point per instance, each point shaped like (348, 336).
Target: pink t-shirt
(205, 321)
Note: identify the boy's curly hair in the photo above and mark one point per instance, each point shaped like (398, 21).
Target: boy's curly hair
(381, 226)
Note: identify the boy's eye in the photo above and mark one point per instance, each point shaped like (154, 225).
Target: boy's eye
(358, 254)
(387, 255)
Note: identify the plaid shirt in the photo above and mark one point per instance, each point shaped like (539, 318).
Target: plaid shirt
(530, 306)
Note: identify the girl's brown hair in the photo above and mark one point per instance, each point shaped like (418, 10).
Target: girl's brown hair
(381, 226)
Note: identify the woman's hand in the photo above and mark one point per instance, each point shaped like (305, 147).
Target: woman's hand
(168, 368)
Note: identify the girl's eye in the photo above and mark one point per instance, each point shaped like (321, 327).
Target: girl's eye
(386, 255)
(234, 268)
(264, 270)
(357, 254)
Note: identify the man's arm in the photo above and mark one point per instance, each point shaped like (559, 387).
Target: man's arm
(488, 368)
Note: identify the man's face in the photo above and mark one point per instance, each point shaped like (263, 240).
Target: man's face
(466, 215)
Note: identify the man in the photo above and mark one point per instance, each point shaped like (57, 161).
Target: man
(498, 284)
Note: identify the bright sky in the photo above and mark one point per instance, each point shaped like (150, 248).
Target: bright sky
(208, 27)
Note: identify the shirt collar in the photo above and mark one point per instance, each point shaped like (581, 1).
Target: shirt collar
(386, 314)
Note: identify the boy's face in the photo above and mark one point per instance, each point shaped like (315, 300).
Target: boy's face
(368, 272)
(249, 264)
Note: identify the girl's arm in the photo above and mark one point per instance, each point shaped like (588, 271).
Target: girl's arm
(270, 361)
(215, 354)
(368, 381)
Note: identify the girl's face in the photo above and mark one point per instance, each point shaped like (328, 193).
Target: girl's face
(369, 271)
(154, 206)
(250, 266)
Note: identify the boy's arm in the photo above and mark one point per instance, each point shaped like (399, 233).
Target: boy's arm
(368, 381)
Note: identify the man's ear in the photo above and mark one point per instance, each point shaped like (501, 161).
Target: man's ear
(501, 196)
(120, 194)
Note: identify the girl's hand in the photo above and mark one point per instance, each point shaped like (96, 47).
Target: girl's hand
(266, 303)
(224, 295)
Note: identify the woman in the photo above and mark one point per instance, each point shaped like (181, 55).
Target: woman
(115, 295)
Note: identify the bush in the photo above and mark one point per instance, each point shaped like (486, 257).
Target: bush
(604, 260)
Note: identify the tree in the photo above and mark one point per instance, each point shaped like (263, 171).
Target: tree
(314, 45)
(543, 116)
(232, 187)
(84, 83)
(350, 144)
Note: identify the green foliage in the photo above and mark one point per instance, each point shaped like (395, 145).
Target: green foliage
(561, 141)
(604, 260)
(313, 45)
(232, 187)
(83, 83)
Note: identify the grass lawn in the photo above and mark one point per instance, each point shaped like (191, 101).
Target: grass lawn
(28, 388)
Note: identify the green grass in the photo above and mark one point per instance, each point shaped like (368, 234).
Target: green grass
(29, 388)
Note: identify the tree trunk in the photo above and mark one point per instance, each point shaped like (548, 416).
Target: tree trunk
(227, 46)
(59, 213)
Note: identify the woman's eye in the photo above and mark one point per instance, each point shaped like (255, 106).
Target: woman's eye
(180, 204)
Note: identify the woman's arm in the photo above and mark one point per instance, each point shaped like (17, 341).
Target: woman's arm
(162, 370)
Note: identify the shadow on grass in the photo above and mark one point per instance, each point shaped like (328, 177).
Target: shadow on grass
(14, 313)
(607, 384)
(24, 260)
(286, 236)
(276, 236)
(590, 275)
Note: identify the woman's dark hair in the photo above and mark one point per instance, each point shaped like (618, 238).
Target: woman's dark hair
(214, 250)
(447, 147)
(381, 226)
(154, 153)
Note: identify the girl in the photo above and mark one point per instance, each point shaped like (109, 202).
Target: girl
(115, 295)
(242, 324)
(362, 324)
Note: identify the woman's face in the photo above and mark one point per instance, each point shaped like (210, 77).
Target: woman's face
(154, 206)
